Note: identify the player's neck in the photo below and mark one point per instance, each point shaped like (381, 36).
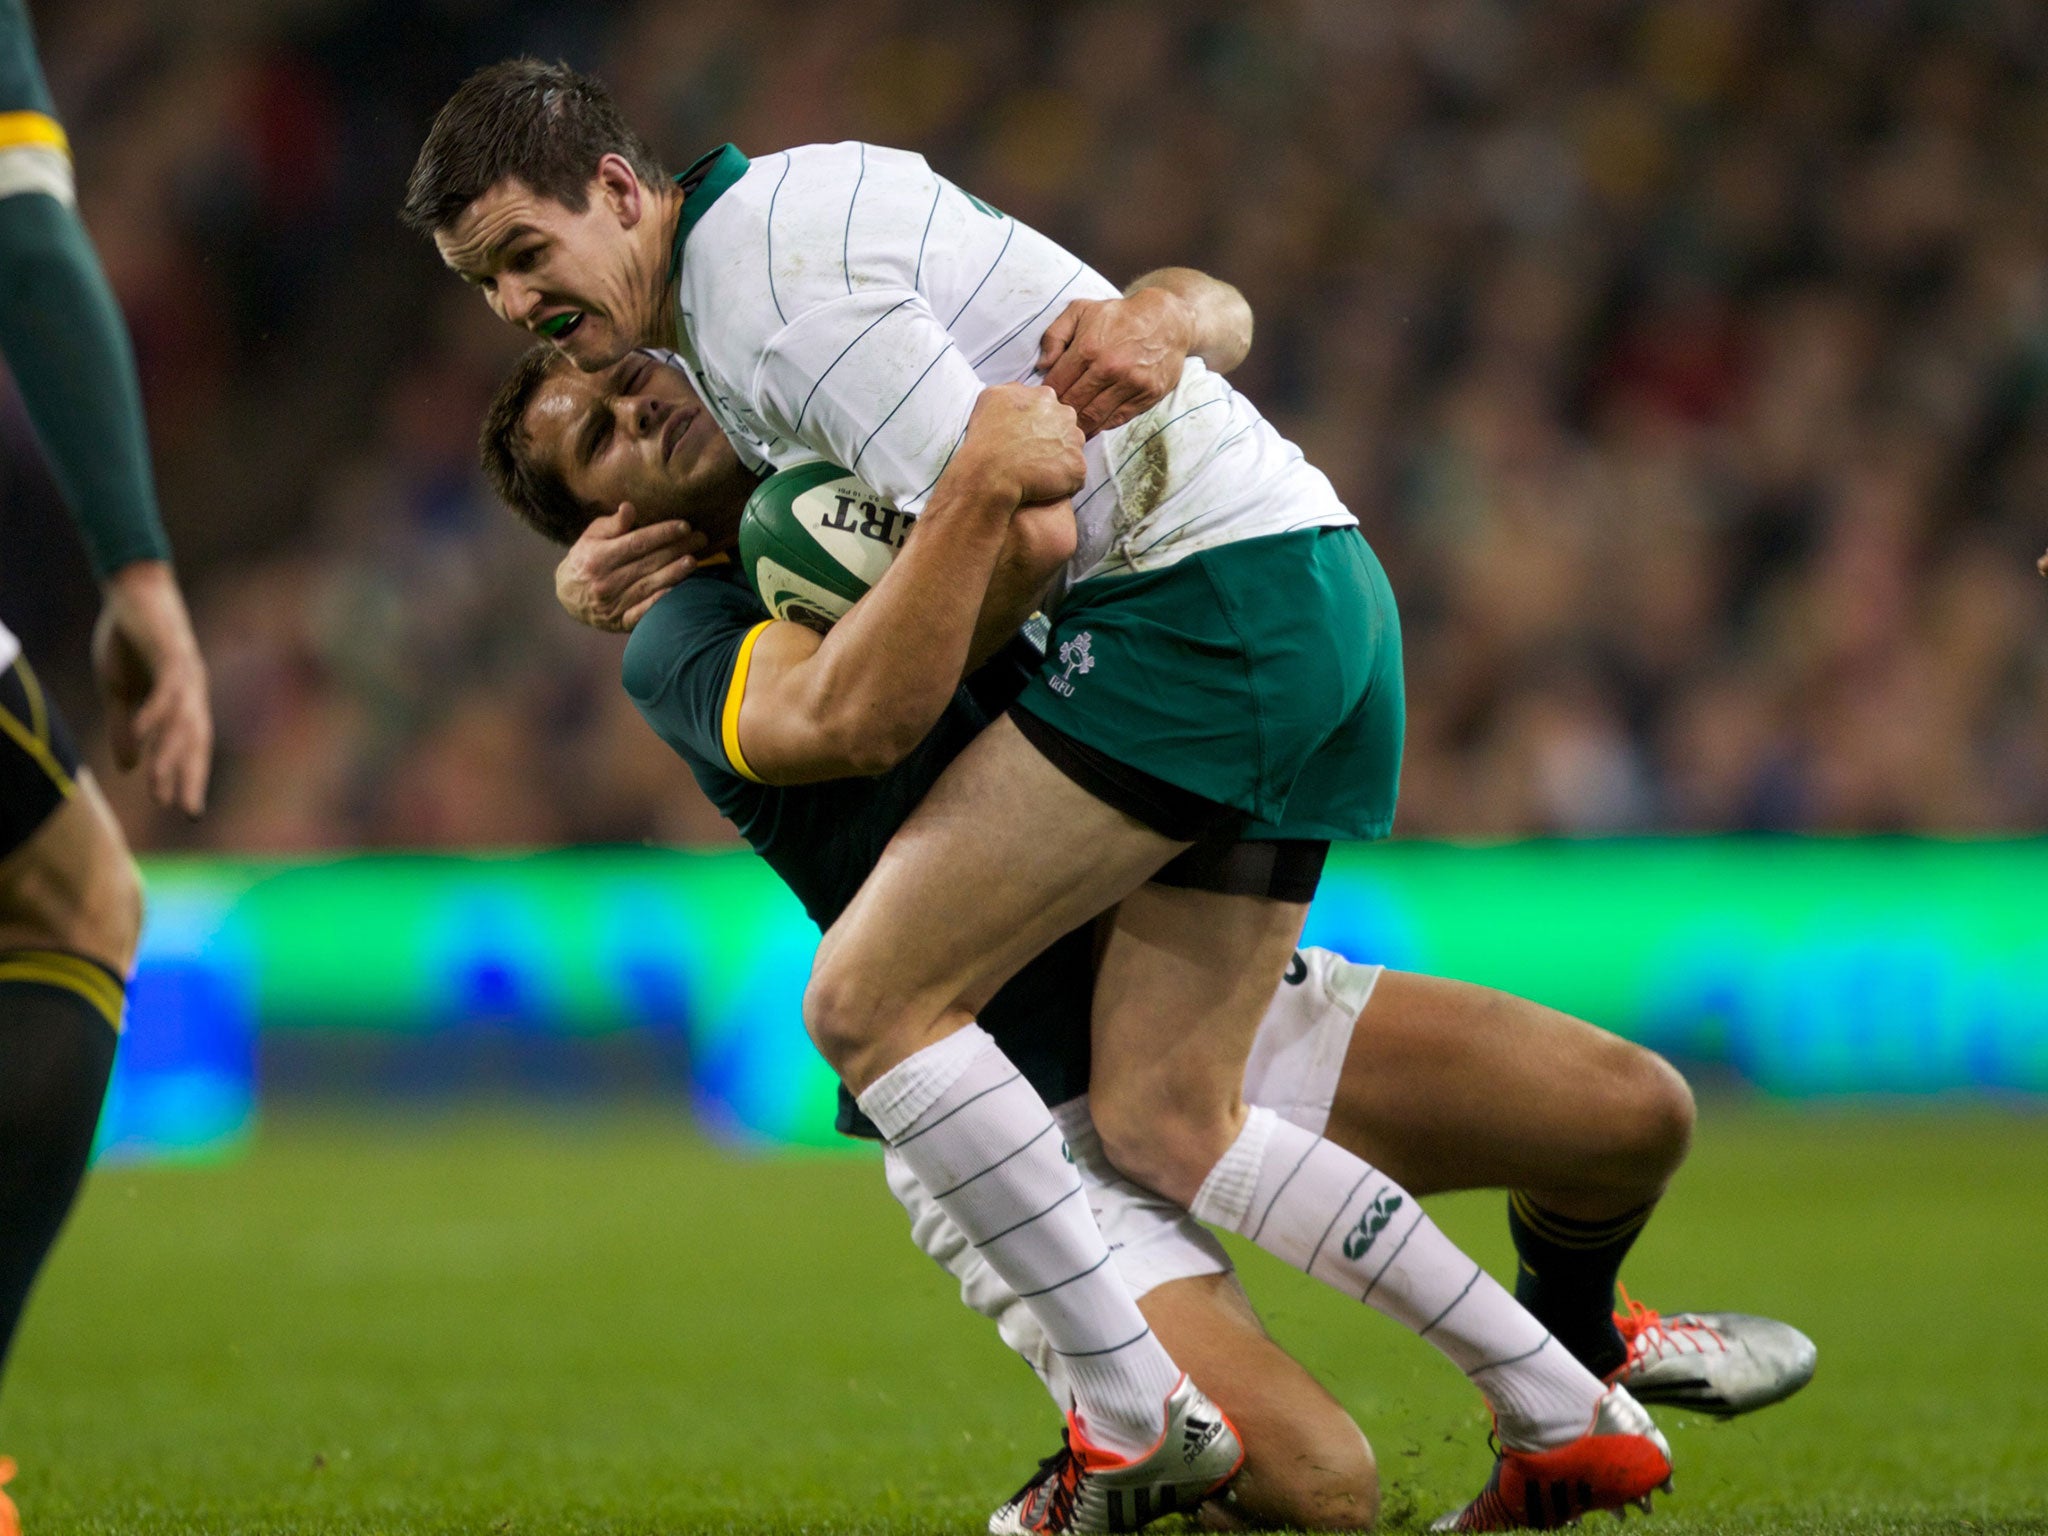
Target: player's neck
(663, 262)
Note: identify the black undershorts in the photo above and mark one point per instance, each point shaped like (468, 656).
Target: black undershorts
(1220, 861)
(38, 760)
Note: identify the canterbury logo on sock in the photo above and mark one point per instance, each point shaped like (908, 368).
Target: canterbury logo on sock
(1371, 1225)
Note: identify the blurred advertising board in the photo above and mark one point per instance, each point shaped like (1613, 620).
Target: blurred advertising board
(1803, 967)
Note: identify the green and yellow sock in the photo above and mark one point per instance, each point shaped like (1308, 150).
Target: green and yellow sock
(1566, 1273)
(60, 1015)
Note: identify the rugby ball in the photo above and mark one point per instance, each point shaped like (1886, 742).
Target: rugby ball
(813, 539)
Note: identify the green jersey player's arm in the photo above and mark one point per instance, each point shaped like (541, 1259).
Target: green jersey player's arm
(59, 327)
(64, 339)
(857, 700)
(1114, 359)
(1219, 316)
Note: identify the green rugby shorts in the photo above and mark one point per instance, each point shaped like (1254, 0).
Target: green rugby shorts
(1263, 675)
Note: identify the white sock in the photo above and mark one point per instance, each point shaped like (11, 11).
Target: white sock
(981, 1140)
(1336, 1217)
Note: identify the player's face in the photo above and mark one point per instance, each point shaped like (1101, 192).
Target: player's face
(571, 277)
(637, 432)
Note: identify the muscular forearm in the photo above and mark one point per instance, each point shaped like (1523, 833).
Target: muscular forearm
(65, 341)
(1222, 320)
(857, 700)
(886, 670)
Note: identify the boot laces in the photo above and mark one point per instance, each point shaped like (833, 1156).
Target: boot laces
(1649, 1335)
(1063, 1470)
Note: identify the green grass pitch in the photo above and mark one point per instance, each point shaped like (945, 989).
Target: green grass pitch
(516, 1322)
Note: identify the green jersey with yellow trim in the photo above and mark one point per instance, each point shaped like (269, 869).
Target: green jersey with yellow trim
(61, 332)
(686, 670)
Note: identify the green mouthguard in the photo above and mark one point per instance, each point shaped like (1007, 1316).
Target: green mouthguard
(554, 325)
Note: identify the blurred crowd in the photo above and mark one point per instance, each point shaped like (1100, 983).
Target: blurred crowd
(1687, 362)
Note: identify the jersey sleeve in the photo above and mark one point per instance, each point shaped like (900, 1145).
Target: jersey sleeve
(686, 669)
(22, 88)
(871, 381)
(60, 329)
(35, 155)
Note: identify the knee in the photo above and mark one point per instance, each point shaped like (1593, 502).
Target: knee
(1160, 1141)
(1318, 1477)
(1129, 1140)
(840, 1018)
(1654, 1116)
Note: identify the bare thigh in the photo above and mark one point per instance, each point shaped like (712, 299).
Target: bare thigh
(1447, 1085)
(72, 885)
(1184, 980)
(1004, 856)
(1307, 1466)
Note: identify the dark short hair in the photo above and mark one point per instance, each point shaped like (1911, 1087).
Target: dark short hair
(542, 124)
(536, 491)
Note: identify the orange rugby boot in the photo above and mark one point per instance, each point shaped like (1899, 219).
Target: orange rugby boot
(1620, 1461)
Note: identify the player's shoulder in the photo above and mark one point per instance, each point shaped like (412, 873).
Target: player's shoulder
(703, 612)
(808, 224)
(809, 171)
(787, 189)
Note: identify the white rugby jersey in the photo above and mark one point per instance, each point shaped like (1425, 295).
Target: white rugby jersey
(845, 302)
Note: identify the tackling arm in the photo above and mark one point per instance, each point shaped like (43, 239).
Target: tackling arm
(856, 700)
(1113, 360)
(1220, 319)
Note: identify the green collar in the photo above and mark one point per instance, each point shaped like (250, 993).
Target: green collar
(703, 184)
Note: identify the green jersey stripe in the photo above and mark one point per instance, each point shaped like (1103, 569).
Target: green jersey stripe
(798, 424)
(846, 239)
(937, 358)
(1020, 330)
(917, 273)
(773, 296)
(991, 272)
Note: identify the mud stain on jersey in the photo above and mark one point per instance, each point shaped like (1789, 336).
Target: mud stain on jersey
(1141, 484)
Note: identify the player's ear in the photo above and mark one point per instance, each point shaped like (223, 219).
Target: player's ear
(621, 190)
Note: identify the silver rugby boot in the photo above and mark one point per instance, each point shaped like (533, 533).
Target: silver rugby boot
(1082, 1487)
(1719, 1363)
